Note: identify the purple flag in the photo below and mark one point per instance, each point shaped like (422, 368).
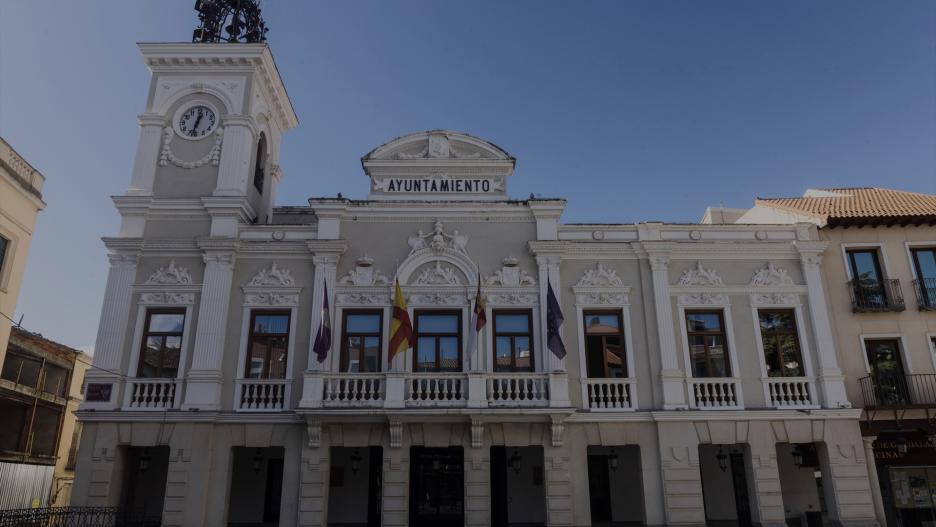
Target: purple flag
(554, 319)
(323, 337)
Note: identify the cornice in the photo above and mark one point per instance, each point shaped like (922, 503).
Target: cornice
(327, 247)
(165, 209)
(811, 247)
(218, 244)
(738, 289)
(757, 415)
(171, 245)
(116, 244)
(18, 182)
(179, 416)
(297, 249)
(224, 57)
(23, 175)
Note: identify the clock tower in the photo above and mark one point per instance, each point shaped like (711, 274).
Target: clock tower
(215, 116)
(206, 166)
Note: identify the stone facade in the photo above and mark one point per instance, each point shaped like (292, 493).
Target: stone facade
(439, 220)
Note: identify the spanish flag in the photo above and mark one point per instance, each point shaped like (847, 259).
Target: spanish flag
(478, 320)
(401, 330)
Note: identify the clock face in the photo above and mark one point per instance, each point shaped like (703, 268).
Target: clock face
(197, 122)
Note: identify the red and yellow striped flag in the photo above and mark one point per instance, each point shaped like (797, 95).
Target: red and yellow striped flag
(401, 330)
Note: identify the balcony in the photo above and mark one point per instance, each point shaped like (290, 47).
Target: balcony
(898, 391)
(790, 392)
(715, 393)
(261, 395)
(395, 390)
(925, 293)
(353, 390)
(517, 389)
(152, 394)
(609, 394)
(870, 296)
(436, 389)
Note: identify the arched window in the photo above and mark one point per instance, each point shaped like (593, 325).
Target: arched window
(260, 164)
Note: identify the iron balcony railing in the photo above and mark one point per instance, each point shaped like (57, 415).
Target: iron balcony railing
(76, 517)
(926, 293)
(876, 295)
(890, 390)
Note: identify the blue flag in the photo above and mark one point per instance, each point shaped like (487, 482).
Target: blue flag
(554, 319)
(323, 337)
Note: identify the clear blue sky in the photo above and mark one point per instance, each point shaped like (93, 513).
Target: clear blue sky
(633, 111)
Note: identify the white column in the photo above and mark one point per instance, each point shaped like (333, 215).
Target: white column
(204, 380)
(112, 329)
(326, 266)
(147, 155)
(236, 150)
(673, 378)
(115, 311)
(831, 380)
(312, 382)
(876, 498)
(554, 366)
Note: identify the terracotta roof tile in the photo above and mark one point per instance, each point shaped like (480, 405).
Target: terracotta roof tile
(858, 203)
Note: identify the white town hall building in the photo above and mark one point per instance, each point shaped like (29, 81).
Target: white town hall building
(701, 382)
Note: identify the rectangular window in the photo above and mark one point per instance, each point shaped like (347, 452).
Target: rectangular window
(4, 243)
(781, 343)
(55, 380)
(513, 341)
(361, 341)
(867, 278)
(865, 266)
(604, 344)
(162, 343)
(44, 436)
(30, 428)
(887, 373)
(22, 369)
(924, 263)
(268, 345)
(708, 345)
(16, 417)
(438, 341)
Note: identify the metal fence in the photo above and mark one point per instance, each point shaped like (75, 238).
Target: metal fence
(891, 390)
(75, 517)
(876, 295)
(925, 292)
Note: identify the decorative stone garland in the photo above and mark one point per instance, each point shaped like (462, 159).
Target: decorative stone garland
(213, 156)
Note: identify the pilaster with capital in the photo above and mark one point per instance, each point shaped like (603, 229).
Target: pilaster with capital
(831, 380)
(326, 268)
(115, 311)
(548, 266)
(147, 155)
(326, 265)
(236, 151)
(203, 382)
(115, 315)
(673, 378)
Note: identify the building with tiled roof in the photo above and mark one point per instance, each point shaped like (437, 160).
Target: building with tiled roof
(857, 206)
(881, 298)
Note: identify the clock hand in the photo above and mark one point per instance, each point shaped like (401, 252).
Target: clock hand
(197, 120)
